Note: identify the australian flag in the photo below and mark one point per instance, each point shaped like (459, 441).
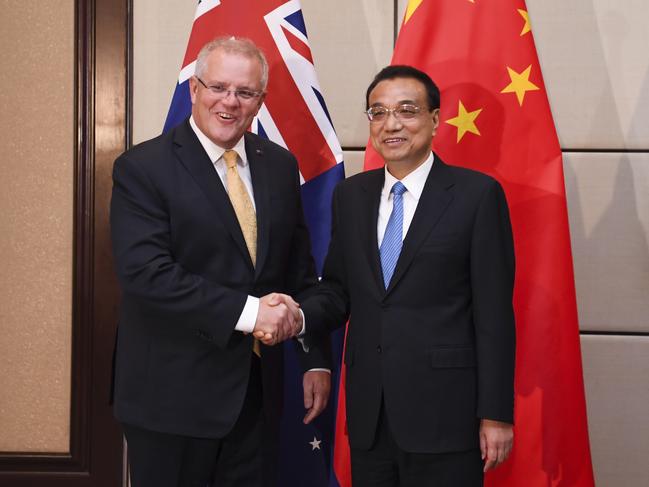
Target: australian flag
(294, 115)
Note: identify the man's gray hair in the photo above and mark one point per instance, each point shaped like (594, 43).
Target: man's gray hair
(233, 45)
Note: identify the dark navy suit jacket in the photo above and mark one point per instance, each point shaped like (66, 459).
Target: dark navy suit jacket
(185, 273)
(438, 345)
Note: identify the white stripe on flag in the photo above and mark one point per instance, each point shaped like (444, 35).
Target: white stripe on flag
(206, 6)
(187, 72)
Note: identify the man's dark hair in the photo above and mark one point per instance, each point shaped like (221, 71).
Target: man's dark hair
(402, 71)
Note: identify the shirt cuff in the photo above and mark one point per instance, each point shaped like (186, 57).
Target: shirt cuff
(248, 317)
(303, 331)
(300, 336)
(319, 370)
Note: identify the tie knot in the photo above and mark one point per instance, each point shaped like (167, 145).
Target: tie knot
(230, 158)
(398, 189)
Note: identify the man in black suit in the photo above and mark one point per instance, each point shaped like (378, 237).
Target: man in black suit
(206, 224)
(421, 260)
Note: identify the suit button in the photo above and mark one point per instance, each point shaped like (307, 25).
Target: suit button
(379, 349)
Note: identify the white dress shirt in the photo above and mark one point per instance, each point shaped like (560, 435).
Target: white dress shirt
(248, 317)
(414, 183)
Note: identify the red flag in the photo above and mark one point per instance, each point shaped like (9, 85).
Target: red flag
(342, 456)
(495, 118)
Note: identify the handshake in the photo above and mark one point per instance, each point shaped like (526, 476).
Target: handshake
(278, 319)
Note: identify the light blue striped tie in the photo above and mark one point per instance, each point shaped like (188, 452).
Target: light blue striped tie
(393, 238)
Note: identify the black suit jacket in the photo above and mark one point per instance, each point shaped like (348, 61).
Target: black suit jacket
(438, 344)
(185, 274)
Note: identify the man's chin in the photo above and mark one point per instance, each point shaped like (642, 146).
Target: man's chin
(225, 138)
(393, 153)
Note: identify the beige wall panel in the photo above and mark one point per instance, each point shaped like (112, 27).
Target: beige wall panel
(595, 64)
(608, 205)
(160, 35)
(350, 42)
(37, 172)
(353, 162)
(616, 375)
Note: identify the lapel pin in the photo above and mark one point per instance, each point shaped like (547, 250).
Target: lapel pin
(259, 152)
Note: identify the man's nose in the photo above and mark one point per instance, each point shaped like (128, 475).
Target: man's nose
(392, 122)
(230, 98)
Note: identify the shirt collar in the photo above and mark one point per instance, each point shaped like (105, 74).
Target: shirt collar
(214, 152)
(414, 182)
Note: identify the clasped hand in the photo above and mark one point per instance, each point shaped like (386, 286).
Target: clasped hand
(278, 319)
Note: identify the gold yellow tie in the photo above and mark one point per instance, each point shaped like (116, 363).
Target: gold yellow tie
(242, 204)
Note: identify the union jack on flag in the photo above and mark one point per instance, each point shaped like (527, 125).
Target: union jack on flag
(294, 115)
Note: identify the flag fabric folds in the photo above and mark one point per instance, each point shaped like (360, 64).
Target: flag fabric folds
(495, 117)
(294, 115)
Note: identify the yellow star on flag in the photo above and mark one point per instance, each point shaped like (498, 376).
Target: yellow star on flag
(412, 6)
(465, 121)
(520, 83)
(527, 27)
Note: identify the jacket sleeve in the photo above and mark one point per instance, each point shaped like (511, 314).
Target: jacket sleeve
(328, 308)
(492, 283)
(302, 281)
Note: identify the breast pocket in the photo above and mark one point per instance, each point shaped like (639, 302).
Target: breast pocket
(447, 242)
(452, 358)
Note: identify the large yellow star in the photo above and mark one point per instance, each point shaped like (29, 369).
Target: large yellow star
(410, 9)
(465, 121)
(520, 83)
(527, 27)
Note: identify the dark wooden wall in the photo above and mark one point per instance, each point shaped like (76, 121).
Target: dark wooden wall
(102, 127)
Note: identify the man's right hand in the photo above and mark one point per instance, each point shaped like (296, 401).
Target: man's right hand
(278, 319)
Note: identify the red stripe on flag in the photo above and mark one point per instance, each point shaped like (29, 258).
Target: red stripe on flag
(342, 466)
(297, 45)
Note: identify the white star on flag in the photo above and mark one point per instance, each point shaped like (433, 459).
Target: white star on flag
(315, 444)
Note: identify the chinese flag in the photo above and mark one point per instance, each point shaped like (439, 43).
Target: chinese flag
(495, 118)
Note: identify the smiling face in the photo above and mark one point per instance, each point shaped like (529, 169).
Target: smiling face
(403, 144)
(225, 118)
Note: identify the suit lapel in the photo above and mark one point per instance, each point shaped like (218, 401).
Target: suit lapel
(434, 201)
(259, 172)
(195, 159)
(373, 184)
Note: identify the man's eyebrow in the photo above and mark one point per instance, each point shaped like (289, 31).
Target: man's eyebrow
(400, 102)
(223, 83)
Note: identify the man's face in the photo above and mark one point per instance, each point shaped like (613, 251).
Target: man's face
(405, 142)
(224, 117)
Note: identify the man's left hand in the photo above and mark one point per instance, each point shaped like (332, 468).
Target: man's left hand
(496, 440)
(317, 385)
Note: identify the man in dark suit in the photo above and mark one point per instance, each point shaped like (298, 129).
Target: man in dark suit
(206, 223)
(421, 261)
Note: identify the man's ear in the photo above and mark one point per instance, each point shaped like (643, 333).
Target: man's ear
(435, 117)
(193, 88)
(262, 97)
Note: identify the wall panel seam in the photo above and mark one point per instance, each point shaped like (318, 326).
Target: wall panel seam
(614, 333)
